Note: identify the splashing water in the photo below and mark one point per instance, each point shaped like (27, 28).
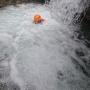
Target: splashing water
(45, 56)
(65, 11)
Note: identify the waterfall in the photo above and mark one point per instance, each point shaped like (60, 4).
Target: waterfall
(65, 10)
(47, 56)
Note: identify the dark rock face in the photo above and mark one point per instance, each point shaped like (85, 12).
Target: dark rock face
(84, 22)
(85, 26)
(37, 1)
(87, 16)
(84, 37)
(9, 2)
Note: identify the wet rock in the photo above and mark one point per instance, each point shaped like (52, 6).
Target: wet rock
(80, 67)
(80, 52)
(9, 2)
(60, 75)
(15, 2)
(9, 86)
(85, 25)
(3, 86)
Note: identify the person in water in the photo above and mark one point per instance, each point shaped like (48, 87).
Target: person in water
(38, 19)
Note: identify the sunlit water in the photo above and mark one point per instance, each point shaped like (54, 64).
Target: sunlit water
(45, 56)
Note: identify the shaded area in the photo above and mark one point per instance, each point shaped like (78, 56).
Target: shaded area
(85, 27)
(14, 2)
(84, 22)
(83, 36)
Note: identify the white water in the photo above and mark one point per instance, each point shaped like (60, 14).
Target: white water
(41, 56)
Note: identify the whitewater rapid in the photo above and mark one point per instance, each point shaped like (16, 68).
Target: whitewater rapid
(39, 56)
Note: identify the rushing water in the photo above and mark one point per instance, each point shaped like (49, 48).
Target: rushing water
(46, 56)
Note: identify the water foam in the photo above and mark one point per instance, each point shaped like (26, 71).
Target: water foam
(45, 56)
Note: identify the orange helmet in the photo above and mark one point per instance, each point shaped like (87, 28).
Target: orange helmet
(37, 19)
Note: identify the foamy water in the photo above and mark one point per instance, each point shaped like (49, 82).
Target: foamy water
(43, 56)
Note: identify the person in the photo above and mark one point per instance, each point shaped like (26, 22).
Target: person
(38, 19)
